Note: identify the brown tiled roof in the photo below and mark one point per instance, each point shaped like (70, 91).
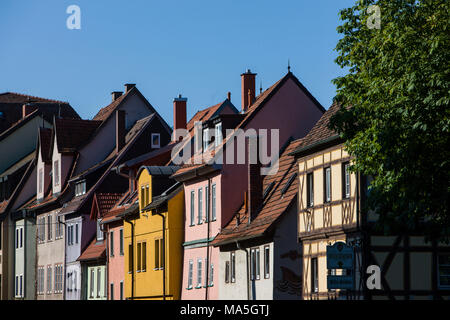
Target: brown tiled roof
(103, 202)
(12, 97)
(105, 112)
(71, 133)
(95, 251)
(274, 205)
(45, 137)
(320, 131)
(127, 200)
(202, 115)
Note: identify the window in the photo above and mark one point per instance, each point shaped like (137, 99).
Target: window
(200, 205)
(205, 139)
(142, 197)
(199, 273)
(218, 138)
(254, 257)
(19, 237)
(99, 281)
(147, 195)
(190, 272)
(21, 285)
(92, 284)
(156, 140)
(74, 280)
(41, 230)
(227, 271)
(144, 256)
(138, 254)
(49, 227)
(40, 181)
(211, 275)
(233, 266)
(99, 231)
(207, 217)
(80, 188)
(76, 233)
(346, 180)
(111, 291)
(213, 202)
(309, 190)
(266, 262)
(192, 207)
(56, 172)
(130, 258)
(444, 271)
(327, 184)
(121, 241)
(159, 263)
(40, 280)
(58, 228)
(314, 276)
(58, 278)
(111, 243)
(121, 290)
(49, 279)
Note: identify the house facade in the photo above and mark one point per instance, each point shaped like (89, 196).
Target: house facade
(288, 108)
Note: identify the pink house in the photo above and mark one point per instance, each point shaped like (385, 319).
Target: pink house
(214, 191)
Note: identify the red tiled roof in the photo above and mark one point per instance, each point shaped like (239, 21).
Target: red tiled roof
(71, 133)
(274, 205)
(105, 112)
(202, 115)
(320, 131)
(95, 250)
(127, 200)
(103, 202)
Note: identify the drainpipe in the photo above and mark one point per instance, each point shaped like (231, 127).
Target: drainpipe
(163, 252)
(207, 238)
(132, 257)
(248, 274)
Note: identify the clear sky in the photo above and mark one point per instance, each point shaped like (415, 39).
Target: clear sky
(197, 48)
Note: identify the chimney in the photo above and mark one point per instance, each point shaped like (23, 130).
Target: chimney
(229, 95)
(179, 115)
(129, 86)
(255, 180)
(120, 130)
(248, 89)
(116, 94)
(27, 109)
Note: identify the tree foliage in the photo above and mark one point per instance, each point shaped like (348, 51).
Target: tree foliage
(398, 125)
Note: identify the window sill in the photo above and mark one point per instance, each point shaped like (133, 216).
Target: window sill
(198, 287)
(189, 288)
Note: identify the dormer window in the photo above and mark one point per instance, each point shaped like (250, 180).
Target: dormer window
(56, 172)
(156, 143)
(80, 188)
(218, 138)
(205, 139)
(99, 231)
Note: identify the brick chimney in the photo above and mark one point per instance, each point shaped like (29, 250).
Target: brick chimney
(248, 89)
(27, 109)
(179, 115)
(255, 180)
(116, 94)
(120, 130)
(129, 86)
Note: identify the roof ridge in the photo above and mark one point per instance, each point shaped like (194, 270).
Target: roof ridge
(33, 97)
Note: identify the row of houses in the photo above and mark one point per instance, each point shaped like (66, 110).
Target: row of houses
(104, 209)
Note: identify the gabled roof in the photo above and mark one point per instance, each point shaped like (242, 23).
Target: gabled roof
(257, 105)
(72, 133)
(281, 189)
(320, 133)
(102, 203)
(208, 113)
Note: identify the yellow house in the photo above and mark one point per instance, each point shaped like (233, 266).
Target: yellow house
(383, 266)
(153, 258)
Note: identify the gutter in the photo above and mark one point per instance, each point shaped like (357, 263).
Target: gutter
(132, 258)
(314, 145)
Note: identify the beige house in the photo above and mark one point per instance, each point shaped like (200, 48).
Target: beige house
(330, 202)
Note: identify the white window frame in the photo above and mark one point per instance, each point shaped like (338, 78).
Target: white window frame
(200, 206)
(213, 203)
(190, 273)
(199, 272)
(266, 262)
(156, 145)
(192, 222)
(327, 183)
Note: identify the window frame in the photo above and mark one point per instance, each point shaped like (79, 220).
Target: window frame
(156, 145)
(266, 262)
(310, 189)
(327, 185)
(346, 184)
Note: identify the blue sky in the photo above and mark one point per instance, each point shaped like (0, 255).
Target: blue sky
(197, 48)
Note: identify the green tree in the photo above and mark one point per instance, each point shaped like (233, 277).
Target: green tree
(398, 125)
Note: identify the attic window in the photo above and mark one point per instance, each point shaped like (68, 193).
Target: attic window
(80, 188)
(288, 183)
(268, 189)
(156, 143)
